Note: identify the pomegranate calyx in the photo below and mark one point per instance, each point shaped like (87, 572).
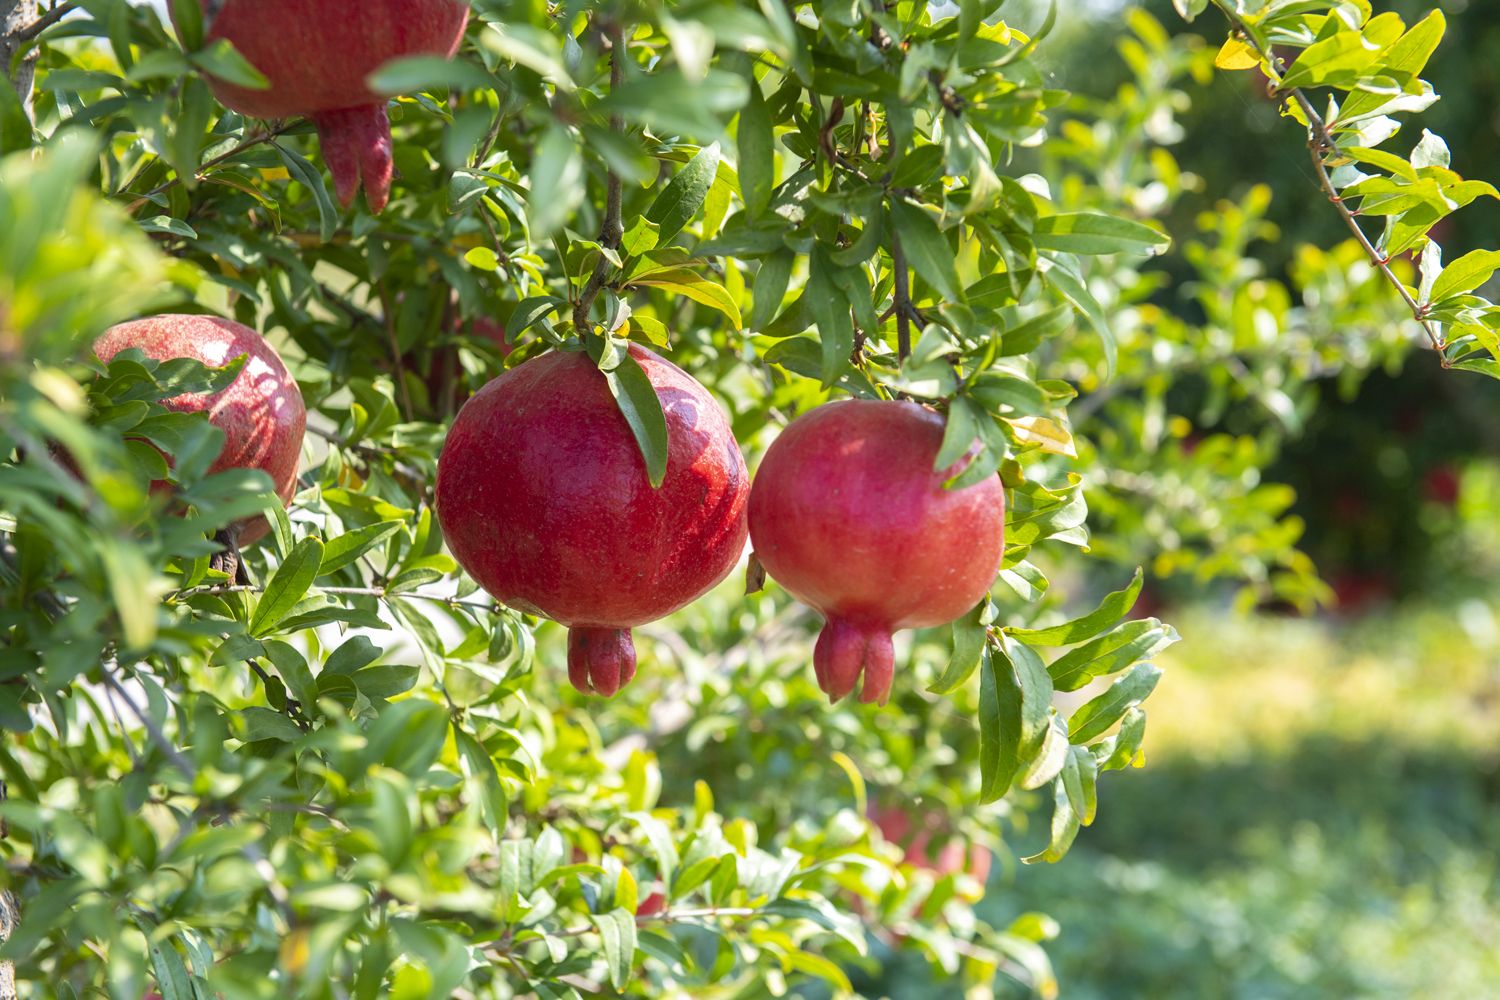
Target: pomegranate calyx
(847, 649)
(600, 660)
(357, 148)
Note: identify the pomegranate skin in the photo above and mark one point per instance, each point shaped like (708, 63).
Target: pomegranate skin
(544, 499)
(317, 55)
(849, 516)
(261, 412)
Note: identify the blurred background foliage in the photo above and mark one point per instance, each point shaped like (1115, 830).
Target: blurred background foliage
(1375, 468)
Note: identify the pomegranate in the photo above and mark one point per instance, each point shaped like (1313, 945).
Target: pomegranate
(848, 514)
(261, 411)
(956, 855)
(544, 499)
(317, 55)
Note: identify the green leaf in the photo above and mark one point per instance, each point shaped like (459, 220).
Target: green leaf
(1094, 717)
(310, 178)
(1094, 233)
(1466, 274)
(969, 637)
(1110, 610)
(1114, 651)
(482, 770)
(1126, 751)
(642, 409)
(617, 932)
(287, 586)
(1076, 291)
(770, 287)
(557, 182)
(528, 311)
(1000, 723)
(222, 60)
(830, 309)
(697, 288)
(292, 667)
(1404, 59)
(343, 550)
(925, 248)
(264, 724)
(413, 73)
(1065, 823)
(130, 586)
(681, 199)
(643, 236)
(757, 159)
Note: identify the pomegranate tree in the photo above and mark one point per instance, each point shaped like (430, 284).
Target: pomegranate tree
(317, 54)
(849, 515)
(544, 498)
(260, 412)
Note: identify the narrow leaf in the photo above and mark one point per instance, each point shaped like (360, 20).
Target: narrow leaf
(1110, 610)
(680, 200)
(287, 586)
(642, 409)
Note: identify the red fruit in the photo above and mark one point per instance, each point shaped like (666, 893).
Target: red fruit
(544, 498)
(317, 55)
(260, 413)
(956, 855)
(848, 514)
(1442, 485)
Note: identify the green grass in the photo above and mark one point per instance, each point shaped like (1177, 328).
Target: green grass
(1319, 817)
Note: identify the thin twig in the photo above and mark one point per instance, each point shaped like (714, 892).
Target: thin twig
(502, 947)
(380, 592)
(613, 230)
(47, 20)
(902, 303)
(1321, 142)
(152, 729)
(248, 143)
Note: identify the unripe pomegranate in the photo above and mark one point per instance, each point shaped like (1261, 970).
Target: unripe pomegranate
(317, 55)
(260, 412)
(544, 499)
(848, 514)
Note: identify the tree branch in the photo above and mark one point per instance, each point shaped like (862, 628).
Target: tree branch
(503, 946)
(16, 18)
(613, 229)
(380, 592)
(1320, 142)
(902, 304)
(248, 143)
(47, 20)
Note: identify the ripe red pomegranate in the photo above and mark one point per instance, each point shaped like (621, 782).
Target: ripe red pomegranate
(317, 55)
(956, 855)
(543, 497)
(848, 515)
(260, 413)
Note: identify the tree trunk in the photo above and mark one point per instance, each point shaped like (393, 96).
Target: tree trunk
(9, 915)
(15, 16)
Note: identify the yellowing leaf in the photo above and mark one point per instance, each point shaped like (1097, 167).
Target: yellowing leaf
(1236, 54)
(275, 174)
(1046, 434)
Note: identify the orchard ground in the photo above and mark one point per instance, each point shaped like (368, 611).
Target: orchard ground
(1319, 818)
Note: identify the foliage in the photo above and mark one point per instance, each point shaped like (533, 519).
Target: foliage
(357, 775)
(1297, 862)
